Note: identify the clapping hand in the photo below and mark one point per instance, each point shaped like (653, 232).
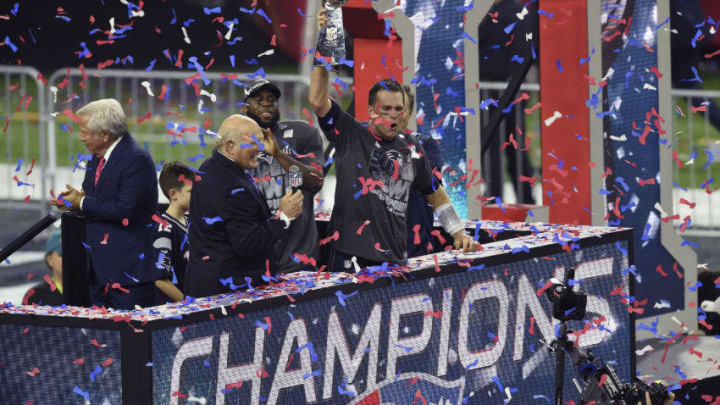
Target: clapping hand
(71, 196)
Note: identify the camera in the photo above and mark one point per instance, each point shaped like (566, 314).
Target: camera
(602, 385)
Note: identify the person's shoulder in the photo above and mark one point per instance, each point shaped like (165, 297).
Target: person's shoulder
(296, 128)
(135, 151)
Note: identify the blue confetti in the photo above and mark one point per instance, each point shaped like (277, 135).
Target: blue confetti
(95, 372)
(84, 394)
(510, 27)
(545, 13)
(342, 297)
(262, 14)
(211, 221)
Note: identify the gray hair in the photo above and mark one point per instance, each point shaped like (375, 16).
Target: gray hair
(105, 115)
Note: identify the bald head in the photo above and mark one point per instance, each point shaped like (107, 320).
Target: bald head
(235, 140)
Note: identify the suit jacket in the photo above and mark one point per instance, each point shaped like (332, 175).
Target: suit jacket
(119, 214)
(231, 233)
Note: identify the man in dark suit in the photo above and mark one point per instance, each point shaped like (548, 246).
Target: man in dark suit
(118, 197)
(232, 233)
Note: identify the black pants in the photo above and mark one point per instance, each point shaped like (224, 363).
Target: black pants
(126, 297)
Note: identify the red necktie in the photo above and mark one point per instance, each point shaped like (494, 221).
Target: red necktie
(100, 166)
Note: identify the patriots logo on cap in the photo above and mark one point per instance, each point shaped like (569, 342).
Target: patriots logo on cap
(408, 388)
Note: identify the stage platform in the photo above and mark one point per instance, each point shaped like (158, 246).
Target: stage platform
(451, 327)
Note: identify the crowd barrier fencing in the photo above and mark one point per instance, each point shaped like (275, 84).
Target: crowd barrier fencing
(695, 140)
(24, 144)
(172, 113)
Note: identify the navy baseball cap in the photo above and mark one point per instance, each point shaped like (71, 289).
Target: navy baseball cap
(260, 84)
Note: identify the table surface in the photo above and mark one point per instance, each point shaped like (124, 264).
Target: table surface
(540, 235)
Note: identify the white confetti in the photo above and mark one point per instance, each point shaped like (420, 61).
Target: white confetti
(661, 210)
(185, 35)
(230, 30)
(648, 86)
(208, 94)
(621, 138)
(266, 53)
(549, 121)
(146, 84)
(644, 350)
(201, 401)
(521, 15)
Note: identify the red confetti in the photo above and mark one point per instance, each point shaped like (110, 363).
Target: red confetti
(230, 386)
(31, 167)
(33, 372)
(157, 218)
(695, 352)
(28, 295)
(125, 222)
(688, 203)
(107, 362)
(120, 288)
(334, 236)
(50, 282)
(362, 227)
(79, 361)
(144, 117)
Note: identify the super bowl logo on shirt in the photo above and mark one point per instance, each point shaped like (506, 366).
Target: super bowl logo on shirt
(271, 178)
(395, 172)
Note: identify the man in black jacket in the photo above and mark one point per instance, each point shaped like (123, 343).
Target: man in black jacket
(232, 233)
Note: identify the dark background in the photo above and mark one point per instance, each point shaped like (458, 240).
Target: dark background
(47, 41)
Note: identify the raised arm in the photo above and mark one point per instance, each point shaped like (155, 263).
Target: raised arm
(318, 95)
(319, 81)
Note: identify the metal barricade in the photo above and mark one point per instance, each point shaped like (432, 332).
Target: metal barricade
(696, 141)
(168, 111)
(528, 136)
(23, 159)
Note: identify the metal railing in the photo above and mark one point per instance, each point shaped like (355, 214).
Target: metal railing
(495, 161)
(172, 113)
(696, 141)
(23, 114)
(36, 124)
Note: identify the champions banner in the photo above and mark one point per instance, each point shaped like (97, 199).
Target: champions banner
(59, 365)
(463, 337)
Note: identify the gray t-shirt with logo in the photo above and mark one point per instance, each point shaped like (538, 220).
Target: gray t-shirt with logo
(374, 179)
(304, 143)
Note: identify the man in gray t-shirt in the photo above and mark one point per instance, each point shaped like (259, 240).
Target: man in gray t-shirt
(299, 145)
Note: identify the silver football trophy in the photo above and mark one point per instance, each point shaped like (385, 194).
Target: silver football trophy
(295, 177)
(331, 41)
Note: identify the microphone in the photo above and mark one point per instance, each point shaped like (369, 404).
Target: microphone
(296, 180)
